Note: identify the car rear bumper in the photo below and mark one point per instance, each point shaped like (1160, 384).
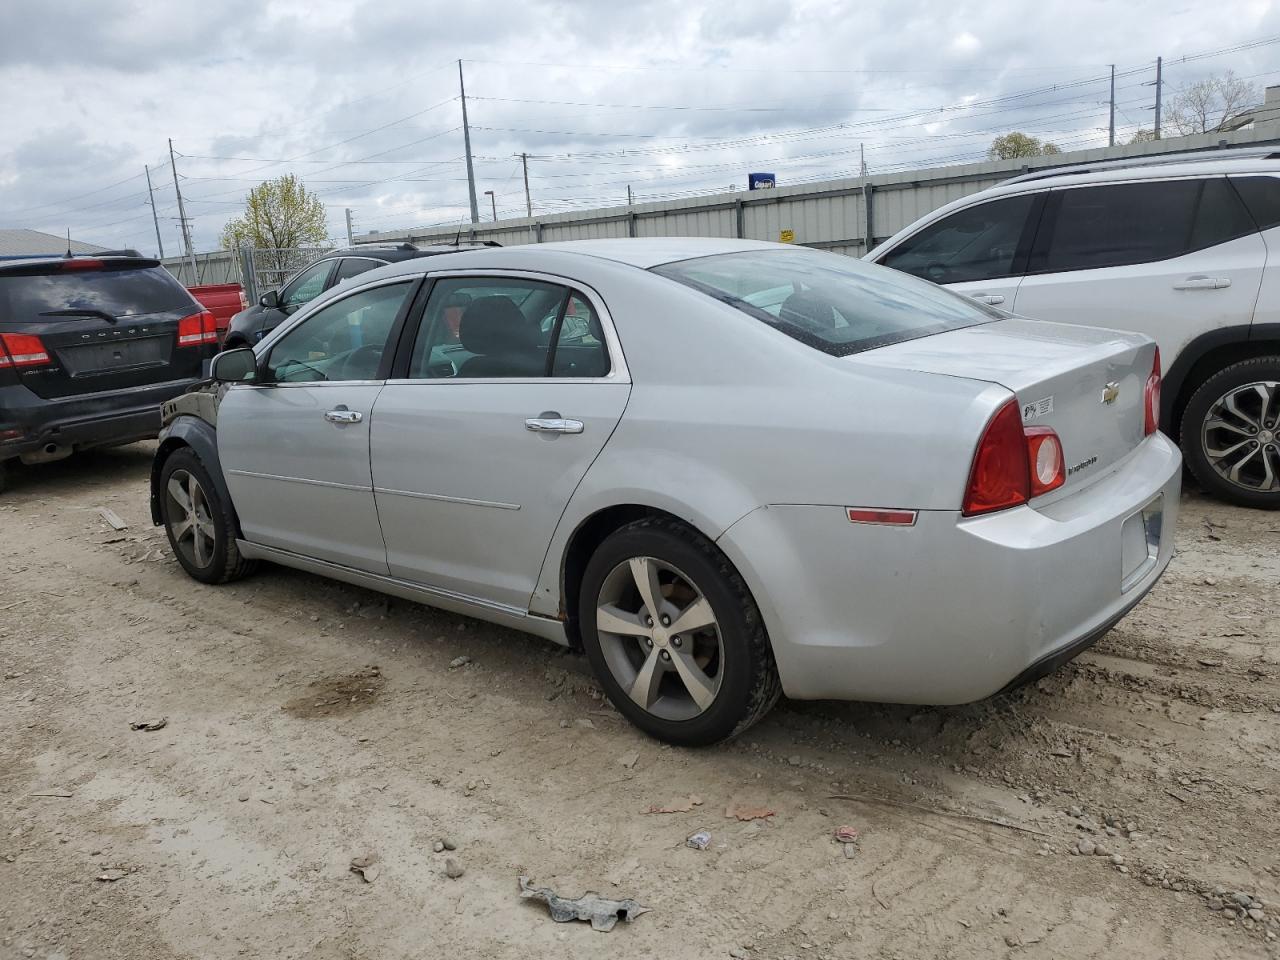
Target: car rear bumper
(33, 424)
(954, 609)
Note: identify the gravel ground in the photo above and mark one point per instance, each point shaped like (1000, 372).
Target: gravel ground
(1124, 806)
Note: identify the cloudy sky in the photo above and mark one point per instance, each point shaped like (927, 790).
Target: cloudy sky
(671, 97)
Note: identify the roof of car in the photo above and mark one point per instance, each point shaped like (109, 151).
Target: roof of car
(396, 252)
(27, 262)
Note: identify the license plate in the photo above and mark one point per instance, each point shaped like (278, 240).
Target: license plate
(91, 358)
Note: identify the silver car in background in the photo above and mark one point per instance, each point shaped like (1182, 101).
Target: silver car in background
(724, 469)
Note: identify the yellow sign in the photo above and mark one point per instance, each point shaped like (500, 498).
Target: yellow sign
(787, 236)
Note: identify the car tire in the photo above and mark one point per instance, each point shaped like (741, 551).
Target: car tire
(1248, 393)
(4, 469)
(199, 522)
(736, 679)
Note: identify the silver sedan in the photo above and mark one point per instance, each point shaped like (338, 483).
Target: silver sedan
(725, 470)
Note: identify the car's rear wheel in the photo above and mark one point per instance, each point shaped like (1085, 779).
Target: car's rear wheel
(1231, 433)
(674, 636)
(199, 523)
(3, 471)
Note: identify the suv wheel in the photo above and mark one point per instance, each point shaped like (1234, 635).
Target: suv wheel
(1231, 433)
(199, 523)
(674, 636)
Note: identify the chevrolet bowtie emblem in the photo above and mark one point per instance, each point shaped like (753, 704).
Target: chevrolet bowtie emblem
(1111, 392)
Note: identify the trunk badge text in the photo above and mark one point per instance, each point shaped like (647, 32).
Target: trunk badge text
(1111, 392)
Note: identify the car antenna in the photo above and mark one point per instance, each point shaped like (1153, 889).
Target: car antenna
(457, 237)
(68, 243)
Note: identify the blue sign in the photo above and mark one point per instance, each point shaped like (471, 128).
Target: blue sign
(761, 181)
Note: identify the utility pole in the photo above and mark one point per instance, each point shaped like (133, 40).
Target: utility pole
(494, 201)
(466, 142)
(528, 204)
(862, 160)
(182, 214)
(350, 240)
(151, 198)
(628, 194)
(1111, 126)
(1159, 64)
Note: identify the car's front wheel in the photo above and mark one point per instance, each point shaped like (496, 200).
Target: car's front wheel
(198, 521)
(674, 636)
(1231, 433)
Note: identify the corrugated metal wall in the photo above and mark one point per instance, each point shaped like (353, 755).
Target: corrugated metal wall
(831, 214)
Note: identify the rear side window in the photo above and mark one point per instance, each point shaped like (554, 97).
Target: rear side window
(350, 267)
(121, 293)
(977, 243)
(836, 304)
(1262, 196)
(1122, 224)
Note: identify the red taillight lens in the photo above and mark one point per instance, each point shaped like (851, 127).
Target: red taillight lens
(1151, 397)
(82, 263)
(197, 329)
(1044, 454)
(22, 350)
(1001, 474)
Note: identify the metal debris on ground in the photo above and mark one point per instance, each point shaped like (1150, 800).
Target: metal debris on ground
(746, 812)
(366, 867)
(112, 518)
(699, 841)
(676, 806)
(602, 913)
(149, 725)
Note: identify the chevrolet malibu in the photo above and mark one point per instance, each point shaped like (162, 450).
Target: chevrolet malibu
(724, 470)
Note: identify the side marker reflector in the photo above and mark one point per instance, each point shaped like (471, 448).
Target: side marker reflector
(900, 518)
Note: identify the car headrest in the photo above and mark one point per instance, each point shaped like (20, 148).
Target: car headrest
(492, 325)
(808, 310)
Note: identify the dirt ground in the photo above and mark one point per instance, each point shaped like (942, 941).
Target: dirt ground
(310, 723)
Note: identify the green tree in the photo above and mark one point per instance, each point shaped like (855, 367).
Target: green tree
(278, 214)
(1015, 144)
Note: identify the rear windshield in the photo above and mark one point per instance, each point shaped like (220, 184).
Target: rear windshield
(834, 303)
(121, 293)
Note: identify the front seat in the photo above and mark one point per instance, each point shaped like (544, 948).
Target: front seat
(504, 340)
(806, 309)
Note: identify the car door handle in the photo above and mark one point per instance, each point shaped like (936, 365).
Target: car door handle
(343, 415)
(553, 425)
(991, 298)
(1203, 283)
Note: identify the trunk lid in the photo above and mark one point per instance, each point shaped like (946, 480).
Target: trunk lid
(107, 327)
(1086, 383)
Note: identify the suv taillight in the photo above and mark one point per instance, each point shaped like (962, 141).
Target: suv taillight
(1012, 464)
(19, 350)
(197, 329)
(1151, 397)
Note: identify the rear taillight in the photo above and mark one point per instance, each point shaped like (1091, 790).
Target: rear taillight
(197, 329)
(1013, 464)
(80, 263)
(1151, 397)
(22, 350)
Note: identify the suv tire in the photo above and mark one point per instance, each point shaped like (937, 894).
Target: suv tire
(1249, 393)
(200, 524)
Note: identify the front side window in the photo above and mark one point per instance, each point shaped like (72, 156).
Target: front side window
(343, 340)
(836, 304)
(495, 327)
(349, 267)
(306, 286)
(977, 243)
(1130, 223)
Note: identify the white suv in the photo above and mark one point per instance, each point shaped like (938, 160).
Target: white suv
(1184, 248)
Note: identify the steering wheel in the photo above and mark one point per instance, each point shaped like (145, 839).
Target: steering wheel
(358, 361)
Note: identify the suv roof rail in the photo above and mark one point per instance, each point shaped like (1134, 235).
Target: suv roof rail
(384, 245)
(1202, 154)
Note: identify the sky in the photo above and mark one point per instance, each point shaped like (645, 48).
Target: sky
(670, 97)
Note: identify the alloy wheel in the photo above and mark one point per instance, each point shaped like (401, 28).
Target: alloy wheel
(1241, 436)
(190, 520)
(660, 638)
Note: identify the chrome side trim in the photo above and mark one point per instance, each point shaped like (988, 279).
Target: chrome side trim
(497, 504)
(487, 610)
(313, 483)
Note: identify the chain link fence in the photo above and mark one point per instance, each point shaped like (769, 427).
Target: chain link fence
(256, 269)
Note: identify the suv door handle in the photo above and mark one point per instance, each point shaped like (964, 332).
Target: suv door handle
(553, 425)
(343, 415)
(989, 298)
(1203, 283)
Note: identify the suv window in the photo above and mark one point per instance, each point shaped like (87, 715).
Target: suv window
(306, 286)
(492, 327)
(121, 293)
(835, 304)
(1262, 196)
(343, 340)
(349, 267)
(976, 243)
(1122, 224)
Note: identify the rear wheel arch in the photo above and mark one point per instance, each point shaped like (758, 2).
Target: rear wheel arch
(1205, 356)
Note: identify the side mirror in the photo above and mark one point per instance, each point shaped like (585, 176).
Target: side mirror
(270, 300)
(234, 366)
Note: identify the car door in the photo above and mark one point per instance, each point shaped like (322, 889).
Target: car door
(979, 250)
(294, 445)
(1169, 258)
(511, 388)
